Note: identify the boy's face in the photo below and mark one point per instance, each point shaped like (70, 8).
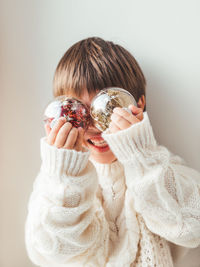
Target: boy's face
(100, 151)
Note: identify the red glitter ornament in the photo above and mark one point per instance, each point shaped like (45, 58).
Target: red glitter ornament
(69, 107)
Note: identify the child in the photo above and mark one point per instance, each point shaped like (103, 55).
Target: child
(114, 199)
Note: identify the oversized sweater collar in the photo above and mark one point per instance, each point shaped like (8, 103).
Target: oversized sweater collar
(109, 173)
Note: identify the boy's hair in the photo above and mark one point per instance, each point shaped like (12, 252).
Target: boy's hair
(94, 64)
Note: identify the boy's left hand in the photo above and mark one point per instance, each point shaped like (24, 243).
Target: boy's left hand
(122, 119)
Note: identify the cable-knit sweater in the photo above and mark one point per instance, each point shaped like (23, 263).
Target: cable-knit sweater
(141, 210)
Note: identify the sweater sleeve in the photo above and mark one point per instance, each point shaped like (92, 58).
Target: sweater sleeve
(65, 223)
(165, 191)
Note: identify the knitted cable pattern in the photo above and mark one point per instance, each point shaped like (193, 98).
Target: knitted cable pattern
(123, 214)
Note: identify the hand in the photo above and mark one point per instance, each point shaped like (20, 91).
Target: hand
(63, 135)
(122, 119)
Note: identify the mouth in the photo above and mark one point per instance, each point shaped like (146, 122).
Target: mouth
(98, 144)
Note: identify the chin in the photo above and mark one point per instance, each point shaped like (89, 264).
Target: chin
(100, 151)
(103, 159)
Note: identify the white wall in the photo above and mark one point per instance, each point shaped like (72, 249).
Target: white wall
(162, 35)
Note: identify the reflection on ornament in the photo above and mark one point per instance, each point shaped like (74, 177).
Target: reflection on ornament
(105, 101)
(69, 107)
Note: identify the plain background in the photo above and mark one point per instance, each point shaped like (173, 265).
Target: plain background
(162, 35)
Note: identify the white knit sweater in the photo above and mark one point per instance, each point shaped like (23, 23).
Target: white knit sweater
(141, 210)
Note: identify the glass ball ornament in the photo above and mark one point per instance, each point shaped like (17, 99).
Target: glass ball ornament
(69, 107)
(105, 101)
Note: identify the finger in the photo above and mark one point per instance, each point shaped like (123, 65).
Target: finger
(125, 115)
(79, 140)
(113, 127)
(47, 129)
(54, 131)
(140, 116)
(63, 135)
(135, 110)
(71, 139)
(120, 121)
(138, 112)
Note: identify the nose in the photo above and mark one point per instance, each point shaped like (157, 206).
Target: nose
(91, 123)
(92, 128)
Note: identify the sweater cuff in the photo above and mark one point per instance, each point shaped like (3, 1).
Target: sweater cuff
(59, 161)
(130, 143)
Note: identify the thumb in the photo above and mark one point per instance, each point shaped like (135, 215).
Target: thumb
(47, 128)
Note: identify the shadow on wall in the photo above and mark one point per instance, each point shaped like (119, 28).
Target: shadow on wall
(172, 117)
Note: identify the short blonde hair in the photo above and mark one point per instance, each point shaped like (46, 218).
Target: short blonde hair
(94, 64)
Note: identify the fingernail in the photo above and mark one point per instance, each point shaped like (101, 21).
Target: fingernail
(63, 119)
(115, 109)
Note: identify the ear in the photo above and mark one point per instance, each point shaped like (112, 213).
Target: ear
(141, 102)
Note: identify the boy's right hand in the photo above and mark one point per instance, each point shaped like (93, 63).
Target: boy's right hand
(63, 135)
